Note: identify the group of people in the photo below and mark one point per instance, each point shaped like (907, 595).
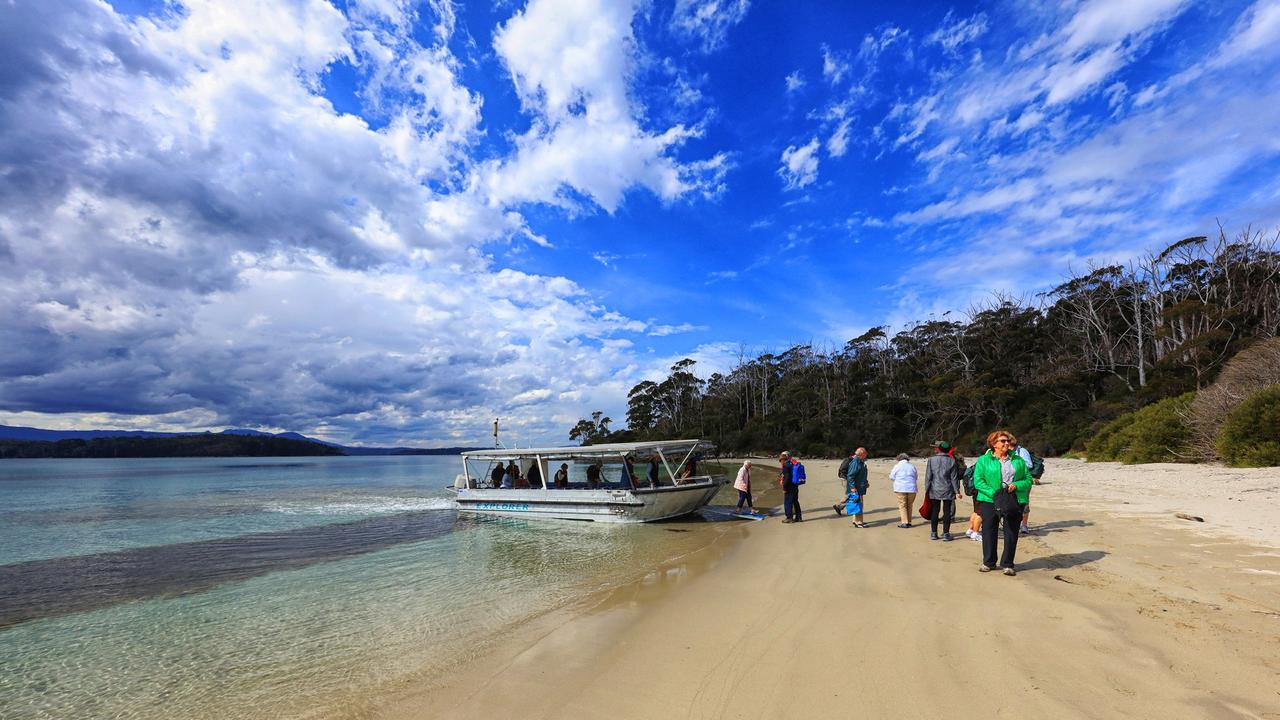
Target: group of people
(509, 475)
(1000, 490)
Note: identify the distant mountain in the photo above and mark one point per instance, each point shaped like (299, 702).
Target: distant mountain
(14, 432)
(194, 445)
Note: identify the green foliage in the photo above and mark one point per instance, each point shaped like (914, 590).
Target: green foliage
(1251, 435)
(1116, 338)
(1156, 433)
(590, 432)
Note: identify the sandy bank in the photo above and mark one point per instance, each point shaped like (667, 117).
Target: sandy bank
(1118, 611)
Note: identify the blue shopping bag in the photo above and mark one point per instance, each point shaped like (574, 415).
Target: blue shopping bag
(853, 504)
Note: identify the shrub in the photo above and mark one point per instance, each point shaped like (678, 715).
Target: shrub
(1252, 369)
(1251, 435)
(1156, 433)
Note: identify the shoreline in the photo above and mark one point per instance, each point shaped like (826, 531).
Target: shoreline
(1141, 614)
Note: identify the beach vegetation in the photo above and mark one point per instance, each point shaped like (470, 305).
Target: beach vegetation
(1156, 433)
(1254, 368)
(1250, 435)
(1055, 368)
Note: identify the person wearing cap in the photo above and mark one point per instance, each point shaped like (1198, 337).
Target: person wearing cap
(905, 486)
(790, 490)
(942, 483)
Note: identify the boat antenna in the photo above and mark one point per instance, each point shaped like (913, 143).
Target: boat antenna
(496, 442)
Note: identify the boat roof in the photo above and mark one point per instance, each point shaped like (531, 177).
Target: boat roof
(594, 451)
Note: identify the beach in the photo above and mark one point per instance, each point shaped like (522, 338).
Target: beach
(1120, 609)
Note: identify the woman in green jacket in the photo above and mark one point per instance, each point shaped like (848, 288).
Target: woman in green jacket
(998, 471)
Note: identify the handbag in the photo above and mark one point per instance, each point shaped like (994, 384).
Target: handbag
(1007, 503)
(926, 507)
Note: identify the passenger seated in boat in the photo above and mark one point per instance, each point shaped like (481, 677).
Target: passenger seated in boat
(628, 478)
(593, 475)
(653, 471)
(562, 476)
(534, 480)
(690, 469)
(512, 475)
(495, 477)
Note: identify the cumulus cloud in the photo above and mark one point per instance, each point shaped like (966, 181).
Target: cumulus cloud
(570, 62)
(191, 231)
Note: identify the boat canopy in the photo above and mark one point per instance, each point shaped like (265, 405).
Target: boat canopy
(594, 452)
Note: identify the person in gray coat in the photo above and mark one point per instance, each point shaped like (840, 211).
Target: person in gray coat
(942, 482)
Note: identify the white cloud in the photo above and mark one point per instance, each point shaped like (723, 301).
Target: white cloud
(193, 226)
(795, 81)
(834, 66)
(708, 20)
(838, 143)
(956, 32)
(800, 165)
(571, 63)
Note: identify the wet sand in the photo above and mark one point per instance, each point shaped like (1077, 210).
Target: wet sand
(1117, 611)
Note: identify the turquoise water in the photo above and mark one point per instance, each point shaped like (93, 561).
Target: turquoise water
(281, 588)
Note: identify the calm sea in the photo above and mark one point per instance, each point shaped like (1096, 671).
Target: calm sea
(271, 588)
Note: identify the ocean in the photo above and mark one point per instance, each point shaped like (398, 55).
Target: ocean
(274, 587)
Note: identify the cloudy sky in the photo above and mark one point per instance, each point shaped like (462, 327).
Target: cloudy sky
(389, 221)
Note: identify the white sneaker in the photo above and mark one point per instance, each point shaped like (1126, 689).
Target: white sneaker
(977, 537)
(968, 533)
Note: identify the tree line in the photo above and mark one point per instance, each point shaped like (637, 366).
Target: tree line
(1054, 368)
(207, 445)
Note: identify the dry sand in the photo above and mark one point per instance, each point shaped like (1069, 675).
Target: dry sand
(1119, 611)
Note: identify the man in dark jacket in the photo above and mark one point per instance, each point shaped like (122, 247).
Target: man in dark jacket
(790, 490)
(942, 483)
(855, 478)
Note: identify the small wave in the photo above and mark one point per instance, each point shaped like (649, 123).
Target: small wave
(366, 506)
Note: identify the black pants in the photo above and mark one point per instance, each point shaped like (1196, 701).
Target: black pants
(744, 496)
(948, 510)
(791, 501)
(991, 520)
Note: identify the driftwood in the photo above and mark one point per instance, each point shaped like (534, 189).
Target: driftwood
(1185, 516)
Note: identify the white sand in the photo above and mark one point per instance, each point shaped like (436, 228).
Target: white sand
(1119, 611)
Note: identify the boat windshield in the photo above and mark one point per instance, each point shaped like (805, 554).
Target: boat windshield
(611, 466)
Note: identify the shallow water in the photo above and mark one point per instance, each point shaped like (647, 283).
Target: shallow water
(289, 588)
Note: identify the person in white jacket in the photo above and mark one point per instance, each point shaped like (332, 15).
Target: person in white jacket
(905, 486)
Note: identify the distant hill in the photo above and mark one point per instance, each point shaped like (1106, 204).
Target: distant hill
(30, 434)
(203, 445)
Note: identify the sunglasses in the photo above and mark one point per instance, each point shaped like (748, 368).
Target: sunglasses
(1004, 441)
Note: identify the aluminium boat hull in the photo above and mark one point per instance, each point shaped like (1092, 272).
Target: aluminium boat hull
(617, 505)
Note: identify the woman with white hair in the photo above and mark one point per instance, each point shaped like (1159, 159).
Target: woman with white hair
(743, 485)
(905, 486)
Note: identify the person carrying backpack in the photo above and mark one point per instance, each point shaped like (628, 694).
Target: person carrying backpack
(790, 480)
(1035, 465)
(855, 483)
(842, 473)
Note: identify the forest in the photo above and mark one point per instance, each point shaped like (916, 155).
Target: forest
(1055, 368)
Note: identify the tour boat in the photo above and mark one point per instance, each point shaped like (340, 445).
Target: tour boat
(680, 490)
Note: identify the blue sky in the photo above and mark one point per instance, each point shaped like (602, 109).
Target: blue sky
(383, 221)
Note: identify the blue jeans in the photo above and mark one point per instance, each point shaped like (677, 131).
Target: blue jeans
(791, 501)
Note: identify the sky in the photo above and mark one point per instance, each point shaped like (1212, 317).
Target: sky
(386, 222)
